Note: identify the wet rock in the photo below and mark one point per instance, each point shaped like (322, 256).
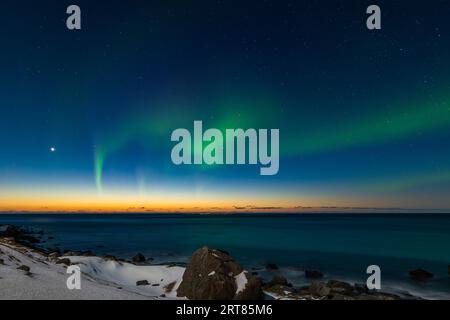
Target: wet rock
(313, 274)
(139, 258)
(142, 283)
(420, 275)
(211, 275)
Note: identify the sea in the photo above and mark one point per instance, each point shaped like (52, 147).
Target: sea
(339, 245)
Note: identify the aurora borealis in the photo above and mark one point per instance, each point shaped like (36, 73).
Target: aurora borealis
(364, 115)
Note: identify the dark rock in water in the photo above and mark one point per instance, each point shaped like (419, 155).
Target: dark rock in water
(24, 268)
(271, 267)
(139, 258)
(319, 289)
(278, 280)
(142, 283)
(313, 274)
(420, 275)
(63, 261)
(340, 287)
(212, 275)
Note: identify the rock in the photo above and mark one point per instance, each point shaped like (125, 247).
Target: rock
(271, 267)
(18, 234)
(361, 288)
(420, 275)
(10, 232)
(69, 253)
(24, 268)
(109, 257)
(142, 283)
(313, 274)
(88, 253)
(340, 287)
(279, 290)
(211, 275)
(63, 261)
(168, 288)
(319, 289)
(54, 255)
(2, 262)
(139, 258)
(278, 280)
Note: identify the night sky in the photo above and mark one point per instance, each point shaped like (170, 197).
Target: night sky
(364, 115)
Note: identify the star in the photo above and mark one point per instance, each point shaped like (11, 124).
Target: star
(52, 149)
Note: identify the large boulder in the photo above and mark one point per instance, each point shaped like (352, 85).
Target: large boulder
(215, 275)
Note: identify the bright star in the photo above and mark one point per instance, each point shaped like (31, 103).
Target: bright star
(52, 149)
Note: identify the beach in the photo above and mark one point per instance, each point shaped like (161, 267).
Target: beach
(155, 251)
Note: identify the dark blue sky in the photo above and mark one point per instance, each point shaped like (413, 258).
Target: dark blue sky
(363, 115)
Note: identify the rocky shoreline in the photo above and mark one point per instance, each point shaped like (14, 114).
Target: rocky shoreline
(211, 274)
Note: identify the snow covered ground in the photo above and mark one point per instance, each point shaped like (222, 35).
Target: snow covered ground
(100, 279)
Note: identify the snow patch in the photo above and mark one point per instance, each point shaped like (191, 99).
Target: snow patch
(241, 281)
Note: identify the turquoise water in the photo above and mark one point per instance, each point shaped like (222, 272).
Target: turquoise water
(340, 245)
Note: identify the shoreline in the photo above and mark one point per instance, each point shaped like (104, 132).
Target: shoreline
(119, 278)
